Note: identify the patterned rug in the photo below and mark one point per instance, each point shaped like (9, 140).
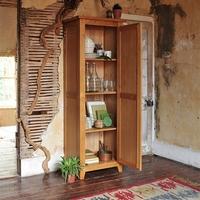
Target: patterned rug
(165, 189)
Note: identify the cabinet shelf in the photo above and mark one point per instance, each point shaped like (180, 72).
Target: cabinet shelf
(94, 130)
(101, 93)
(100, 60)
(101, 165)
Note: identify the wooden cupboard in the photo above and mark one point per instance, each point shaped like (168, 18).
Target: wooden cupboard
(123, 138)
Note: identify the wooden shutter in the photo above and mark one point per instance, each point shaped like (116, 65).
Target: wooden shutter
(129, 106)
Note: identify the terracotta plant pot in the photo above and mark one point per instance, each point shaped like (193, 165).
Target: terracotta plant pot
(71, 179)
(117, 13)
(105, 156)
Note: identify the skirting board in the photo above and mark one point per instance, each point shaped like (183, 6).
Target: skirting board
(176, 153)
(33, 166)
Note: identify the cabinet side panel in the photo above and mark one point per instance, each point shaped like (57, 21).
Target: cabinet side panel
(71, 89)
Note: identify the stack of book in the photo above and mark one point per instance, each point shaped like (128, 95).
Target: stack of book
(90, 157)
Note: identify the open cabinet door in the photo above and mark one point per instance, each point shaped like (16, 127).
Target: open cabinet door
(129, 96)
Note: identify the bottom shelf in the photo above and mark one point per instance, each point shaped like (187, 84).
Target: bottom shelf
(101, 165)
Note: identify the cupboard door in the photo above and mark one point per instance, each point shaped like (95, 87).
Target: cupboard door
(129, 106)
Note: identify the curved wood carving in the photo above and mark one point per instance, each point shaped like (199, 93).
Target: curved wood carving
(55, 27)
(36, 146)
(66, 9)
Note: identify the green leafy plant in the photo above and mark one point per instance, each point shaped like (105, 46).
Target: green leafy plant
(70, 166)
(103, 153)
(103, 148)
(104, 57)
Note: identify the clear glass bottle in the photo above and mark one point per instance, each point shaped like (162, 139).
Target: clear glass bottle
(94, 81)
(87, 78)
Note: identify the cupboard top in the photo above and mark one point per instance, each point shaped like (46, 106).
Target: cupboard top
(96, 21)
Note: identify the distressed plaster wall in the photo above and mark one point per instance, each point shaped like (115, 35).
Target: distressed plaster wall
(8, 31)
(93, 7)
(53, 137)
(179, 110)
(37, 3)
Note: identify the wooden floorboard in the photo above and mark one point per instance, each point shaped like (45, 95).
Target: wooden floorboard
(53, 187)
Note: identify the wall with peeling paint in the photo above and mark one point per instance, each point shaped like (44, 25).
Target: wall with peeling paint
(8, 31)
(93, 7)
(38, 4)
(53, 136)
(178, 110)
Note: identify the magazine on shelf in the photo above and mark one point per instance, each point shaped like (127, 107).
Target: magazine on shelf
(93, 107)
(88, 152)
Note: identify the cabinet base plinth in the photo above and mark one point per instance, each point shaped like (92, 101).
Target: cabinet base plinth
(99, 166)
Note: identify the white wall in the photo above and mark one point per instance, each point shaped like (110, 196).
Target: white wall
(176, 153)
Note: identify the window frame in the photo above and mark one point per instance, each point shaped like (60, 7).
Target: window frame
(12, 102)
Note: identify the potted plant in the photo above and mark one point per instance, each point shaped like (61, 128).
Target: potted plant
(103, 153)
(117, 11)
(70, 168)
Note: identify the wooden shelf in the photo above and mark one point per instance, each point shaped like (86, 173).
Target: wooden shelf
(101, 165)
(100, 93)
(100, 60)
(94, 130)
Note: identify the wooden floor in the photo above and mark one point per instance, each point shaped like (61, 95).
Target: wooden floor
(53, 186)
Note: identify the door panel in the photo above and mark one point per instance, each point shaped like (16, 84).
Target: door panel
(129, 109)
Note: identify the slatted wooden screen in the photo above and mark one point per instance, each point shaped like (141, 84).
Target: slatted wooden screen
(8, 3)
(32, 53)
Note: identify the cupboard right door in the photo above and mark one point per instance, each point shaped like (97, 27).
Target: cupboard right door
(129, 96)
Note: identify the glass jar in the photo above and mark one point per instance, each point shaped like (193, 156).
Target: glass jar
(94, 81)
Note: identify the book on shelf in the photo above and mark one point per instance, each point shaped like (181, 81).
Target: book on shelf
(91, 162)
(88, 152)
(91, 159)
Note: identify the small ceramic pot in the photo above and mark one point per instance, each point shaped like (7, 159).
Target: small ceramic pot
(117, 13)
(71, 179)
(98, 124)
(105, 156)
